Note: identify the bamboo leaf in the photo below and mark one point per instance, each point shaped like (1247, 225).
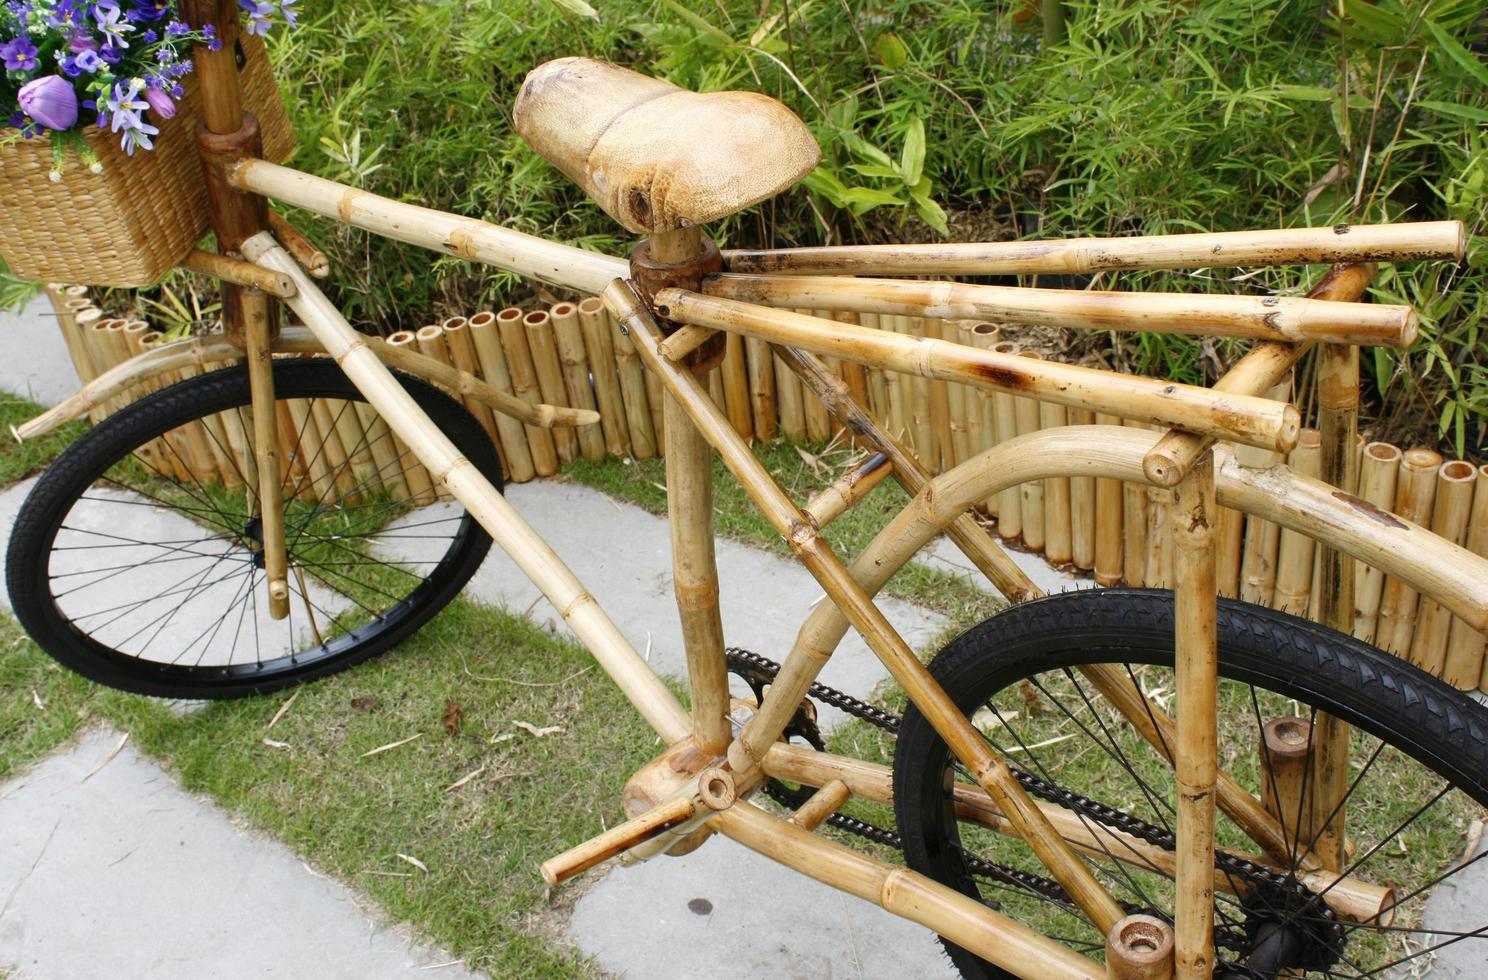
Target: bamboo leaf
(912, 158)
(696, 21)
(1453, 49)
(577, 7)
(1472, 113)
(891, 51)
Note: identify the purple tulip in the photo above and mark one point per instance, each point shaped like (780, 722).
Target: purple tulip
(50, 101)
(160, 103)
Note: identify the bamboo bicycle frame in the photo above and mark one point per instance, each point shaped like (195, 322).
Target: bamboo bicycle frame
(725, 768)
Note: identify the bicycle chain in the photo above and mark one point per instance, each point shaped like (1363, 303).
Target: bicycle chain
(760, 671)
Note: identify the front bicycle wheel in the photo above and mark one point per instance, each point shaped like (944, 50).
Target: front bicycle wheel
(136, 560)
(1418, 783)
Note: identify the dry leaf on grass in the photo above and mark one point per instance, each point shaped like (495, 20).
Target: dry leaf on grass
(533, 730)
(271, 743)
(415, 862)
(36, 699)
(282, 709)
(463, 780)
(452, 715)
(392, 745)
(366, 702)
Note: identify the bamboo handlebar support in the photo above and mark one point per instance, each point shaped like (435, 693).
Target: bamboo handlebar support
(1274, 318)
(1243, 419)
(516, 537)
(239, 272)
(1403, 242)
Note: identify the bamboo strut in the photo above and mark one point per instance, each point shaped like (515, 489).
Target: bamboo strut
(235, 271)
(310, 258)
(569, 336)
(257, 354)
(600, 350)
(527, 255)
(1139, 947)
(1244, 419)
(1377, 478)
(848, 489)
(1406, 241)
(989, 770)
(963, 920)
(1352, 898)
(1455, 482)
(525, 547)
(1415, 492)
(1274, 318)
(544, 352)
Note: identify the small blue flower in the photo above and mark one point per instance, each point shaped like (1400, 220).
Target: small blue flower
(176, 29)
(19, 54)
(107, 15)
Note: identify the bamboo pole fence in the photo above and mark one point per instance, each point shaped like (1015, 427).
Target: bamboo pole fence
(574, 354)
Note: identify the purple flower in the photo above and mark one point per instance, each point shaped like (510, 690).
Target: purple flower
(160, 103)
(89, 61)
(50, 101)
(176, 29)
(111, 54)
(291, 17)
(107, 15)
(19, 54)
(81, 42)
(124, 107)
(149, 37)
(70, 67)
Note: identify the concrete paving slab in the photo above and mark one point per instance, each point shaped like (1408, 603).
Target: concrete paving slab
(1457, 906)
(44, 373)
(746, 918)
(623, 556)
(118, 872)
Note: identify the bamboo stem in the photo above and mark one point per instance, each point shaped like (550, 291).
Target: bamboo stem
(1239, 418)
(1274, 318)
(644, 435)
(848, 489)
(238, 272)
(569, 336)
(1455, 483)
(1294, 551)
(1196, 681)
(1465, 645)
(259, 357)
(486, 339)
(761, 363)
(600, 349)
(1082, 506)
(1405, 241)
(1286, 770)
(1108, 523)
(1415, 492)
(460, 347)
(735, 373)
(1058, 529)
(514, 344)
(310, 258)
(1139, 947)
(790, 401)
(1377, 479)
(420, 485)
(544, 353)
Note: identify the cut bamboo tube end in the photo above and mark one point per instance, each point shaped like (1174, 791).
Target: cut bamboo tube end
(649, 825)
(1449, 517)
(1139, 947)
(239, 272)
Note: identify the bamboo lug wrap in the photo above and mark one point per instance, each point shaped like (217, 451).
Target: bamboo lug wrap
(1240, 418)
(1260, 317)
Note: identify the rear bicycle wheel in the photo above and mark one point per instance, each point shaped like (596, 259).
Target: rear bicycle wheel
(1418, 781)
(136, 559)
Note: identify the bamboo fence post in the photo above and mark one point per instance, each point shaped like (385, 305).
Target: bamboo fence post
(348, 424)
(957, 399)
(854, 375)
(486, 338)
(524, 385)
(1108, 523)
(1134, 518)
(1465, 644)
(1455, 483)
(735, 373)
(1058, 529)
(715, 389)
(1262, 537)
(790, 400)
(1031, 494)
(818, 427)
(66, 315)
(461, 349)
(940, 406)
(1228, 542)
(333, 450)
(1414, 494)
(1009, 501)
(921, 407)
(1294, 551)
(1082, 506)
(1160, 542)
(1377, 479)
(544, 350)
(156, 454)
(420, 484)
(600, 350)
(655, 402)
(761, 364)
(389, 470)
(644, 436)
(878, 381)
(899, 390)
(308, 445)
(1196, 682)
(569, 336)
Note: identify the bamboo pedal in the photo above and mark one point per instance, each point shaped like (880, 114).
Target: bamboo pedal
(667, 815)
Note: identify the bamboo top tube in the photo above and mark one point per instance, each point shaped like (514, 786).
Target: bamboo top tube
(1341, 243)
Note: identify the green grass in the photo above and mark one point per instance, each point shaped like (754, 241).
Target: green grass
(352, 815)
(19, 460)
(801, 471)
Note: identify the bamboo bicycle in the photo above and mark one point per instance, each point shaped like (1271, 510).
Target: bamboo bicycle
(1232, 790)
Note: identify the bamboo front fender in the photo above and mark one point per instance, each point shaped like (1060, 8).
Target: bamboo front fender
(204, 352)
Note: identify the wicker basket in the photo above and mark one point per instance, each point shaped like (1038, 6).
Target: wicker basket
(132, 223)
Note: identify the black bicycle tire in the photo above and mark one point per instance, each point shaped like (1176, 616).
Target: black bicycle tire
(1391, 699)
(75, 470)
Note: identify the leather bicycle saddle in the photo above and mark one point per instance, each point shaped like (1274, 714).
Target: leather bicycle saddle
(657, 157)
